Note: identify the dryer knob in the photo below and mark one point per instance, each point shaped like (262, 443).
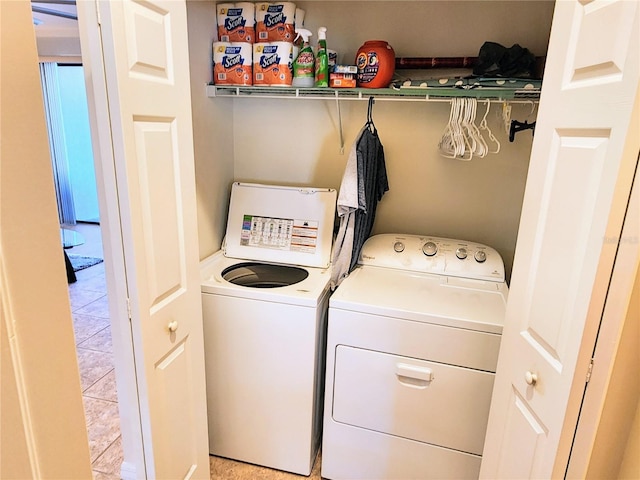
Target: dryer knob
(480, 256)
(461, 253)
(398, 247)
(429, 249)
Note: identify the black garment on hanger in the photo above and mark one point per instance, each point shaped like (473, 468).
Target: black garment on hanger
(372, 183)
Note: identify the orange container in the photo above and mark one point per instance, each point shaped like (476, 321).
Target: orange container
(376, 62)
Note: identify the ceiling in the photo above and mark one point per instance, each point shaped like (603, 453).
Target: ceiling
(54, 14)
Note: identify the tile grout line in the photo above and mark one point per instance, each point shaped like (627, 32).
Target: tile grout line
(98, 380)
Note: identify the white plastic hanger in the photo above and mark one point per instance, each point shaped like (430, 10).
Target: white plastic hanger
(484, 126)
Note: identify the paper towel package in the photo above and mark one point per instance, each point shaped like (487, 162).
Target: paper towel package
(232, 62)
(272, 63)
(275, 22)
(236, 22)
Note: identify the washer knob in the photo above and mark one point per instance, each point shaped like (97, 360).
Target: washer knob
(398, 247)
(429, 249)
(480, 256)
(461, 253)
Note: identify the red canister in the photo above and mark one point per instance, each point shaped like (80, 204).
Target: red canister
(376, 62)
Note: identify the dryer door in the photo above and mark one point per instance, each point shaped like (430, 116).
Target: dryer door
(419, 400)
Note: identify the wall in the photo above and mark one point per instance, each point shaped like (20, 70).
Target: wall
(57, 39)
(615, 449)
(478, 200)
(213, 138)
(42, 419)
(297, 141)
(630, 468)
(430, 28)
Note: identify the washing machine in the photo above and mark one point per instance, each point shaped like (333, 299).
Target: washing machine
(412, 347)
(265, 300)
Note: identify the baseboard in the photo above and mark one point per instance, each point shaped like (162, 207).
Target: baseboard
(128, 471)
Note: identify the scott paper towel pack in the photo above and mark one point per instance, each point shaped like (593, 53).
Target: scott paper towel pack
(236, 22)
(272, 63)
(275, 22)
(232, 63)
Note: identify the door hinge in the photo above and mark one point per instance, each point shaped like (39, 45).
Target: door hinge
(98, 13)
(129, 309)
(589, 370)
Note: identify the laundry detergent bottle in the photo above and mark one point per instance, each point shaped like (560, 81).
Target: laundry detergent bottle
(322, 59)
(376, 62)
(304, 65)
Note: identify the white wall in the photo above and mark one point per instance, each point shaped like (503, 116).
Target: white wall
(430, 28)
(42, 420)
(213, 138)
(57, 38)
(297, 141)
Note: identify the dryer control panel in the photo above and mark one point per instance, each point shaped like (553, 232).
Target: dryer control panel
(435, 255)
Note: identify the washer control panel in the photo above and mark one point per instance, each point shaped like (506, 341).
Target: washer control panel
(436, 255)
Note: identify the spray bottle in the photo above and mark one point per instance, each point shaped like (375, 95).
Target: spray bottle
(322, 59)
(303, 67)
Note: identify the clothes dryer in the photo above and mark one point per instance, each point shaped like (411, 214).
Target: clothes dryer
(265, 300)
(412, 347)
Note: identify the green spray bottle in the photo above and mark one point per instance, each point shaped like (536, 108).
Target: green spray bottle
(304, 65)
(322, 59)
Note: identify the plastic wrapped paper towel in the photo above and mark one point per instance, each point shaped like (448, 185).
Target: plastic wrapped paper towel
(272, 63)
(276, 22)
(236, 22)
(232, 63)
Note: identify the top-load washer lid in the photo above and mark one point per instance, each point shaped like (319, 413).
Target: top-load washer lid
(292, 225)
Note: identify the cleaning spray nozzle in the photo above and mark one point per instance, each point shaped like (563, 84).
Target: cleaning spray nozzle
(322, 33)
(304, 33)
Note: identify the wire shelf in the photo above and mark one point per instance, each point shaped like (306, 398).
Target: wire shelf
(392, 94)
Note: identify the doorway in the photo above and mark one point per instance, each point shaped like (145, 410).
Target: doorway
(81, 237)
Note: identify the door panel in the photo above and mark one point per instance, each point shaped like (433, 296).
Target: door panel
(562, 265)
(526, 434)
(149, 39)
(597, 57)
(161, 214)
(174, 389)
(147, 75)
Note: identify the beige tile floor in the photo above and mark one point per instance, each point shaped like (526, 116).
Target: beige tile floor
(225, 469)
(88, 298)
(89, 308)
